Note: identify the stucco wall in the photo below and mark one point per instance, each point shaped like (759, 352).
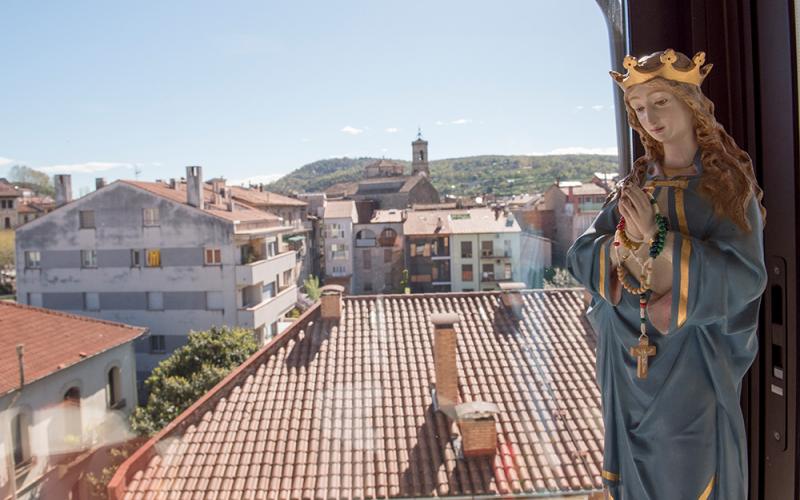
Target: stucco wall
(41, 401)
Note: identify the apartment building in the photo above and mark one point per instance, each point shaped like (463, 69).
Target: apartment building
(171, 256)
(461, 250)
(338, 219)
(378, 252)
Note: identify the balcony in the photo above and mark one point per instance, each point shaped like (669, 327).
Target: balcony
(268, 310)
(265, 270)
(489, 255)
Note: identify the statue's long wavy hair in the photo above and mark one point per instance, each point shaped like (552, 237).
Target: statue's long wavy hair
(728, 180)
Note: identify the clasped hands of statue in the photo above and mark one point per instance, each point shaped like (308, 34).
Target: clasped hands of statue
(634, 205)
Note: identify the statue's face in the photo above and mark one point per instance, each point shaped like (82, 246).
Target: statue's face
(665, 117)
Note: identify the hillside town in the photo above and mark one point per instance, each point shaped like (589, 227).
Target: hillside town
(340, 290)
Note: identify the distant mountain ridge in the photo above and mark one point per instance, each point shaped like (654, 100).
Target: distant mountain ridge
(471, 176)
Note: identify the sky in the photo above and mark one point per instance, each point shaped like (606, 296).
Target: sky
(252, 90)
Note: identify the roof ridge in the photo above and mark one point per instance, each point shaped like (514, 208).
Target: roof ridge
(79, 317)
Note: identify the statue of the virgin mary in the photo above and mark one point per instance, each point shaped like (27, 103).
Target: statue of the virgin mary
(675, 265)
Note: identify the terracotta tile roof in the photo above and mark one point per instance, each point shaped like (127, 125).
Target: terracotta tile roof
(7, 189)
(340, 209)
(52, 341)
(457, 221)
(584, 188)
(259, 199)
(241, 212)
(343, 409)
(375, 185)
(387, 216)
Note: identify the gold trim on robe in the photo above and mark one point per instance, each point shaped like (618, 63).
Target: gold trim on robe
(610, 476)
(686, 252)
(707, 492)
(602, 285)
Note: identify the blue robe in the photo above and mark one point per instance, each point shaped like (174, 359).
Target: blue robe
(678, 434)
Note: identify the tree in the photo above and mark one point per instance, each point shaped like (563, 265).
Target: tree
(39, 181)
(190, 372)
(312, 287)
(558, 277)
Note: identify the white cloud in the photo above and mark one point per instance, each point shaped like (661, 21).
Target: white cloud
(461, 121)
(439, 122)
(351, 130)
(598, 107)
(578, 108)
(580, 150)
(84, 168)
(257, 179)
(392, 130)
(6, 161)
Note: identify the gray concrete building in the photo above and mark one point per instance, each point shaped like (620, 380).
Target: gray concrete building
(171, 256)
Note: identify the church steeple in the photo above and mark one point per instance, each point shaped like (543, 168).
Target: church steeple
(419, 152)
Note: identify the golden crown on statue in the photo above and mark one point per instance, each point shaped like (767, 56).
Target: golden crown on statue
(694, 74)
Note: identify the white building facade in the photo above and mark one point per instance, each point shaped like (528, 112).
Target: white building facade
(173, 257)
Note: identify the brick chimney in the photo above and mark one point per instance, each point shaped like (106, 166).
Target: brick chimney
(331, 301)
(194, 186)
(511, 297)
(476, 422)
(445, 343)
(63, 184)
(99, 183)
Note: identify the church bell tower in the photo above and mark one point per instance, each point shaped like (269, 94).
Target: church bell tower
(419, 151)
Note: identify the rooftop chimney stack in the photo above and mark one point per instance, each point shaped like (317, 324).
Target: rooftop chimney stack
(194, 186)
(226, 195)
(331, 301)
(476, 422)
(511, 296)
(63, 184)
(99, 182)
(445, 342)
(20, 360)
(173, 184)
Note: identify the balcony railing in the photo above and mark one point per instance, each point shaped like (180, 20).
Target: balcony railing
(265, 270)
(269, 310)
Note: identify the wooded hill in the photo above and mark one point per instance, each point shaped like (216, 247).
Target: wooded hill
(473, 175)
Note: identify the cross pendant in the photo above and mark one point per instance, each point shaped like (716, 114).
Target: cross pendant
(641, 352)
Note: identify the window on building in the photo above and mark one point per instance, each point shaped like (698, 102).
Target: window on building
(368, 286)
(91, 301)
(466, 272)
(338, 251)
(272, 248)
(155, 301)
(88, 258)
(114, 389)
(153, 258)
(213, 256)
(388, 236)
(136, 258)
(366, 257)
(7, 223)
(487, 248)
(34, 299)
(215, 301)
(287, 278)
(158, 343)
(150, 216)
(268, 290)
(33, 259)
(86, 219)
(20, 439)
(73, 425)
(466, 249)
(507, 248)
(507, 270)
(487, 272)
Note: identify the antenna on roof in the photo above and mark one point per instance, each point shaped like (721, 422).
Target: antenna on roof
(419, 132)
(136, 171)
